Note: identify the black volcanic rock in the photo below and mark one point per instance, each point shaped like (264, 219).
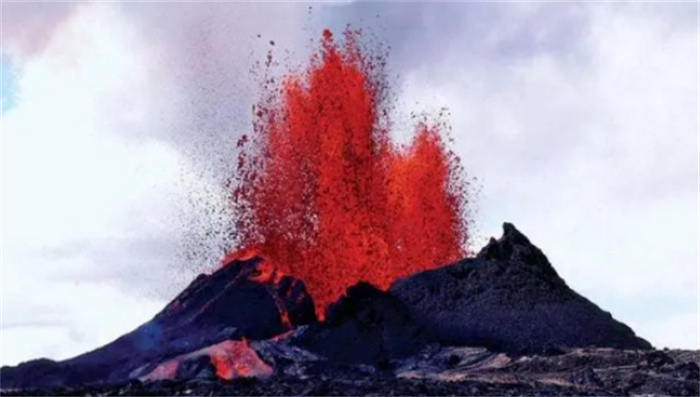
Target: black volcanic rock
(366, 325)
(436, 371)
(242, 299)
(509, 298)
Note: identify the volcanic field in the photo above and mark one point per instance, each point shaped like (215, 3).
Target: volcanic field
(349, 275)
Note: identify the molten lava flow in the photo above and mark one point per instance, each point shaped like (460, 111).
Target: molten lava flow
(229, 359)
(233, 359)
(324, 194)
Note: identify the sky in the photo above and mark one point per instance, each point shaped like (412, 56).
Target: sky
(580, 121)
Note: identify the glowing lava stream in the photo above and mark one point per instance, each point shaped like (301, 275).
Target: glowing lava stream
(230, 359)
(325, 196)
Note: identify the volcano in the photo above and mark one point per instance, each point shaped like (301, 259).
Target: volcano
(509, 298)
(349, 275)
(499, 323)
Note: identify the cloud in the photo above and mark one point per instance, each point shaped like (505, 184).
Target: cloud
(679, 330)
(77, 322)
(423, 35)
(27, 28)
(210, 54)
(70, 176)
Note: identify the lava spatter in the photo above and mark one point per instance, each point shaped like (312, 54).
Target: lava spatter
(325, 195)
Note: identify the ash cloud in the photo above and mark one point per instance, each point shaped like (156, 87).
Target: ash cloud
(423, 35)
(211, 53)
(27, 28)
(211, 56)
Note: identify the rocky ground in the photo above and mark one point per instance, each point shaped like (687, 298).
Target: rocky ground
(444, 371)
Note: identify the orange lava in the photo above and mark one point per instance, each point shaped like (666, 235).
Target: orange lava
(233, 359)
(326, 196)
(230, 359)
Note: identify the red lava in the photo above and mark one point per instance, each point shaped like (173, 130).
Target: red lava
(326, 196)
(230, 359)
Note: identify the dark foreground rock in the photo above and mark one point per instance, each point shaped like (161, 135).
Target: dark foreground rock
(442, 371)
(242, 299)
(509, 298)
(366, 325)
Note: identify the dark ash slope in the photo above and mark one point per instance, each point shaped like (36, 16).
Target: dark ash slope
(509, 298)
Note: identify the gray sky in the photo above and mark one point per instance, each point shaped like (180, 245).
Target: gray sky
(580, 121)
